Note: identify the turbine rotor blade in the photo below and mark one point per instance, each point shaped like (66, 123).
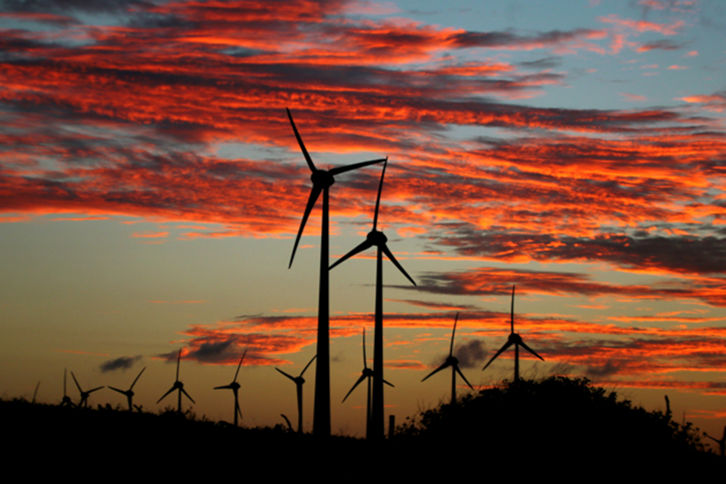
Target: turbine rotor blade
(117, 390)
(314, 194)
(240, 364)
(167, 393)
(77, 385)
(363, 377)
(506, 345)
(462, 376)
(309, 363)
(342, 169)
(511, 317)
(137, 379)
(91, 391)
(225, 387)
(378, 200)
(302, 145)
(289, 376)
(531, 350)
(389, 384)
(365, 360)
(366, 244)
(390, 256)
(453, 333)
(445, 365)
(185, 393)
(178, 361)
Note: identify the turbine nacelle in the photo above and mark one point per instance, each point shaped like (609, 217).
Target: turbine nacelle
(322, 179)
(377, 238)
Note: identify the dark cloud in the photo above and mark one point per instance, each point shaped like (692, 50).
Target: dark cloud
(64, 6)
(610, 368)
(212, 352)
(663, 44)
(544, 63)
(471, 353)
(503, 40)
(121, 363)
(678, 253)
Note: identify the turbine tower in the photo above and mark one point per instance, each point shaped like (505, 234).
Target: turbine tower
(322, 181)
(130, 392)
(378, 239)
(66, 402)
(177, 386)
(84, 395)
(299, 381)
(516, 340)
(453, 362)
(234, 386)
(366, 374)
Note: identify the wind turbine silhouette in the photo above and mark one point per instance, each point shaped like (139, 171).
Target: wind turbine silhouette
(366, 374)
(299, 381)
(178, 386)
(66, 402)
(378, 239)
(516, 340)
(35, 393)
(84, 395)
(234, 386)
(322, 181)
(453, 362)
(130, 392)
(721, 442)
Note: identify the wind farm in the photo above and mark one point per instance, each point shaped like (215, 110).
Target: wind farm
(154, 176)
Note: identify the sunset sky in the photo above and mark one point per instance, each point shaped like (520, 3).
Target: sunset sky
(151, 187)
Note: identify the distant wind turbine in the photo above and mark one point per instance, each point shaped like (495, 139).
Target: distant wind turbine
(721, 442)
(66, 402)
(84, 395)
(299, 381)
(130, 392)
(322, 181)
(516, 340)
(453, 362)
(234, 386)
(178, 386)
(378, 239)
(366, 374)
(35, 393)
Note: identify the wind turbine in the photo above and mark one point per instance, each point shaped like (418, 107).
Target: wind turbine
(35, 393)
(366, 374)
(299, 381)
(130, 392)
(66, 402)
(234, 386)
(516, 340)
(378, 239)
(721, 442)
(322, 181)
(84, 395)
(453, 362)
(178, 386)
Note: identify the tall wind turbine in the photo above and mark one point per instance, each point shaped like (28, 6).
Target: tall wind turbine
(84, 395)
(299, 381)
(378, 239)
(366, 374)
(453, 362)
(130, 392)
(516, 340)
(322, 181)
(234, 386)
(178, 386)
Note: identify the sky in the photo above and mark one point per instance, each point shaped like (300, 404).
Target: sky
(151, 188)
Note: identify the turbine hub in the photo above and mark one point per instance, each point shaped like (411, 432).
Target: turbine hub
(322, 178)
(452, 361)
(234, 385)
(178, 384)
(515, 338)
(376, 238)
(367, 372)
(299, 380)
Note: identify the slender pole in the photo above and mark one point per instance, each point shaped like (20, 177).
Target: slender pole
(321, 412)
(453, 384)
(377, 424)
(179, 401)
(299, 407)
(516, 362)
(369, 403)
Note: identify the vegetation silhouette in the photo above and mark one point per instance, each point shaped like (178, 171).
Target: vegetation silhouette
(546, 420)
